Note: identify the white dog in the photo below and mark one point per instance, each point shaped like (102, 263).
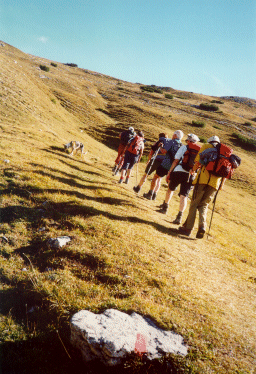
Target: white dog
(75, 146)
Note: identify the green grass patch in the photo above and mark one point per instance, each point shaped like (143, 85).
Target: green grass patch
(209, 107)
(244, 142)
(44, 68)
(168, 96)
(198, 124)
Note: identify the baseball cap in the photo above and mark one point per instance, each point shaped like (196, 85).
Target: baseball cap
(131, 129)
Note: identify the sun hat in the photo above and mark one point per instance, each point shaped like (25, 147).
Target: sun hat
(192, 138)
(213, 139)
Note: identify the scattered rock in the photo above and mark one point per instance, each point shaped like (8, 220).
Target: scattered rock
(4, 239)
(58, 242)
(7, 161)
(113, 335)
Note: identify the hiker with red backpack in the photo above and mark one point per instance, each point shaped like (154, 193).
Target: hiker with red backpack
(179, 175)
(170, 146)
(213, 164)
(132, 155)
(125, 137)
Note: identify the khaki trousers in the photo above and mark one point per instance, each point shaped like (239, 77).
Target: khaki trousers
(202, 196)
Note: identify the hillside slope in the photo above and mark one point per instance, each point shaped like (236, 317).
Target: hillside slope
(122, 253)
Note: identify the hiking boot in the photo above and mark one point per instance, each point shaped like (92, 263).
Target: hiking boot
(126, 181)
(161, 206)
(154, 196)
(120, 180)
(184, 231)
(177, 220)
(136, 189)
(164, 208)
(200, 233)
(148, 195)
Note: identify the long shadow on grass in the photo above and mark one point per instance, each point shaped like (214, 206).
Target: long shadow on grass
(63, 172)
(71, 209)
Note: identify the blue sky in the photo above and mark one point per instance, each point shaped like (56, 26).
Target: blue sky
(203, 46)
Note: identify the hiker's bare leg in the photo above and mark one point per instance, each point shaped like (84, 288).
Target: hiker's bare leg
(141, 182)
(183, 203)
(158, 184)
(153, 183)
(168, 196)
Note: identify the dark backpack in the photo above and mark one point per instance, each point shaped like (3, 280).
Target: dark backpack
(126, 136)
(220, 160)
(189, 156)
(170, 155)
(135, 145)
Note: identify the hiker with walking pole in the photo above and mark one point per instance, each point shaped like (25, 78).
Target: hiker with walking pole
(178, 175)
(171, 148)
(154, 159)
(207, 184)
(159, 152)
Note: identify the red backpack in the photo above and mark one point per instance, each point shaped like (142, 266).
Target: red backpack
(135, 145)
(220, 160)
(189, 156)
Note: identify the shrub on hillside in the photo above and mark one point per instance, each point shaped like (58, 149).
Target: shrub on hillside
(244, 142)
(247, 124)
(198, 124)
(217, 102)
(203, 140)
(53, 64)
(151, 89)
(44, 68)
(168, 96)
(209, 107)
(72, 65)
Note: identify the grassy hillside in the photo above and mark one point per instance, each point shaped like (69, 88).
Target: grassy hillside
(122, 253)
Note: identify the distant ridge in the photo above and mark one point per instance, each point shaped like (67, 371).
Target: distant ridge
(241, 100)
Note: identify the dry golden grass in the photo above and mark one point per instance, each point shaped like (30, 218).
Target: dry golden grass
(122, 253)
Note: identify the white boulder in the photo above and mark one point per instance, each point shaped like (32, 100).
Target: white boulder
(111, 336)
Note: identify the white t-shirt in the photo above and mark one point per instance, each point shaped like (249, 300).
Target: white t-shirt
(179, 156)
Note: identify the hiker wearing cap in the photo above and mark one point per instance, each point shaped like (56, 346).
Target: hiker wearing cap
(179, 175)
(155, 158)
(125, 137)
(133, 153)
(171, 146)
(206, 184)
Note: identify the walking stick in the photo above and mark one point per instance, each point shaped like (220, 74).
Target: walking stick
(152, 160)
(136, 173)
(213, 208)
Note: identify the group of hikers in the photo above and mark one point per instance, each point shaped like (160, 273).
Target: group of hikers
(190, 166)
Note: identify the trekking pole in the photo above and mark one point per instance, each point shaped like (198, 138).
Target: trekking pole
(136, 173)
(119, 163)
(213, 208)
(152, 160)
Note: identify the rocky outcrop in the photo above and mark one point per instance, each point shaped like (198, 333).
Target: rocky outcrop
(112, 336)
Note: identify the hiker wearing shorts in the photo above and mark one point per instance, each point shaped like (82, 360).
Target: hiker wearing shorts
(155, 158)
(206, 184)
(178, 175)
(125, 137)
(171, 147)
(133, 153)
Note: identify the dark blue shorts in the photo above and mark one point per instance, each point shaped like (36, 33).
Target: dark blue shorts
(129, 160)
